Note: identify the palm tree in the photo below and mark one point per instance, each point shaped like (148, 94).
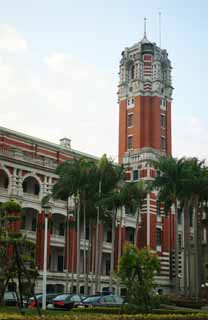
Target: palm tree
(76, 179)
(125, 194)
(169, 185)
(197, 188)
(108, 176)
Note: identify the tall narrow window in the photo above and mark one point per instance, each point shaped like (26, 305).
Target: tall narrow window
(130, 142)
(130, 120)
(158, 236)
(162, 143)
(162, 120)
(135, 175)
(180, 242)
(132, 72)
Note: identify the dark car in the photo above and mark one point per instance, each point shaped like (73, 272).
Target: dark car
(10, 298)
(109, 300)
(49, 298)
(67, 301)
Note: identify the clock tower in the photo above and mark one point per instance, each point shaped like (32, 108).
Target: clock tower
(145, 95)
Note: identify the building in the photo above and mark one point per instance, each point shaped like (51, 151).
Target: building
(145, 95)
(27, 173)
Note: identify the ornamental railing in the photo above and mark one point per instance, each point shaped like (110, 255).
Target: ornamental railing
(19, 155)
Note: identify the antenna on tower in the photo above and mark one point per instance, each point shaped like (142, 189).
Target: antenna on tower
(160, 23)
(145, 27)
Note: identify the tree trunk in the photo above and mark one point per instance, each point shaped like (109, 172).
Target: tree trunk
(100, 255)
(177, 283)
(89, 256)
(196, 248)
(119, 245)
(78, 246)
(97, 243)
(186, 266)
(84, 249)
(137, 227)
(92, 259)
(97, 249)
(73, 250)
(112, 250)
(67, 248)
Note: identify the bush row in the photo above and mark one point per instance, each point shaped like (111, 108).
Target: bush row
(82, 316)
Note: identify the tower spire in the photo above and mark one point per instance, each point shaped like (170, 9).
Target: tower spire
(160, 23)
(145, 28)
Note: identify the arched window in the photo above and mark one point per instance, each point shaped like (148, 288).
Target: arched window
(31, 185)
(130, 234)
(4, 180)
(132, 72)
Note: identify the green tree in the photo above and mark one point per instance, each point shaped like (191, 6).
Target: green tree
(17, 253)
(125, 194)
(109, 177)
(195, 190)
(77, 179)
(136, 271)
(169, 183)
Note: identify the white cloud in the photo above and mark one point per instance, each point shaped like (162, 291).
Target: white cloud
(60, 97)
(11, 41)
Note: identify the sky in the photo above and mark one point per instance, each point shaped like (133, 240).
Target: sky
(59, 64)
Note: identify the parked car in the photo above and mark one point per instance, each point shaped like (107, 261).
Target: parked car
(39, 297)
(10, 298)
(108, 300)
(67, 301)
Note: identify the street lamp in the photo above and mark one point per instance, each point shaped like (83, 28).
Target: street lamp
(47, 209)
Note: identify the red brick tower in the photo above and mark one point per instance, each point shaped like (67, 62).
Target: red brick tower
(144, 99)
(144, 95)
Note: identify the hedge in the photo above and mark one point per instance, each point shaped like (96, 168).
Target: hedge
(82, 316)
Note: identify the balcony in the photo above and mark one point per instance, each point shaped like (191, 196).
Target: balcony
(19, 155)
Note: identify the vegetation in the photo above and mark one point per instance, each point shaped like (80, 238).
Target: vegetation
(99, 191)
(95, 313)
(136, 271)
(17, 254)
(183, 184)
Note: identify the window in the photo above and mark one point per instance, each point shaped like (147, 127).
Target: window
(130, 103)
(162, 120)
(163, 104)
(130, 144)
(107, 267)
(87, 233)
(60, 266)
(109, 236)
(204, 234)
(158, 236)
(132, 72)
(130, 120)
(108, 299)
(34, 224)
(180, 241)
(61, 229)
(135, 175)
(179, 216)
(162, 143)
